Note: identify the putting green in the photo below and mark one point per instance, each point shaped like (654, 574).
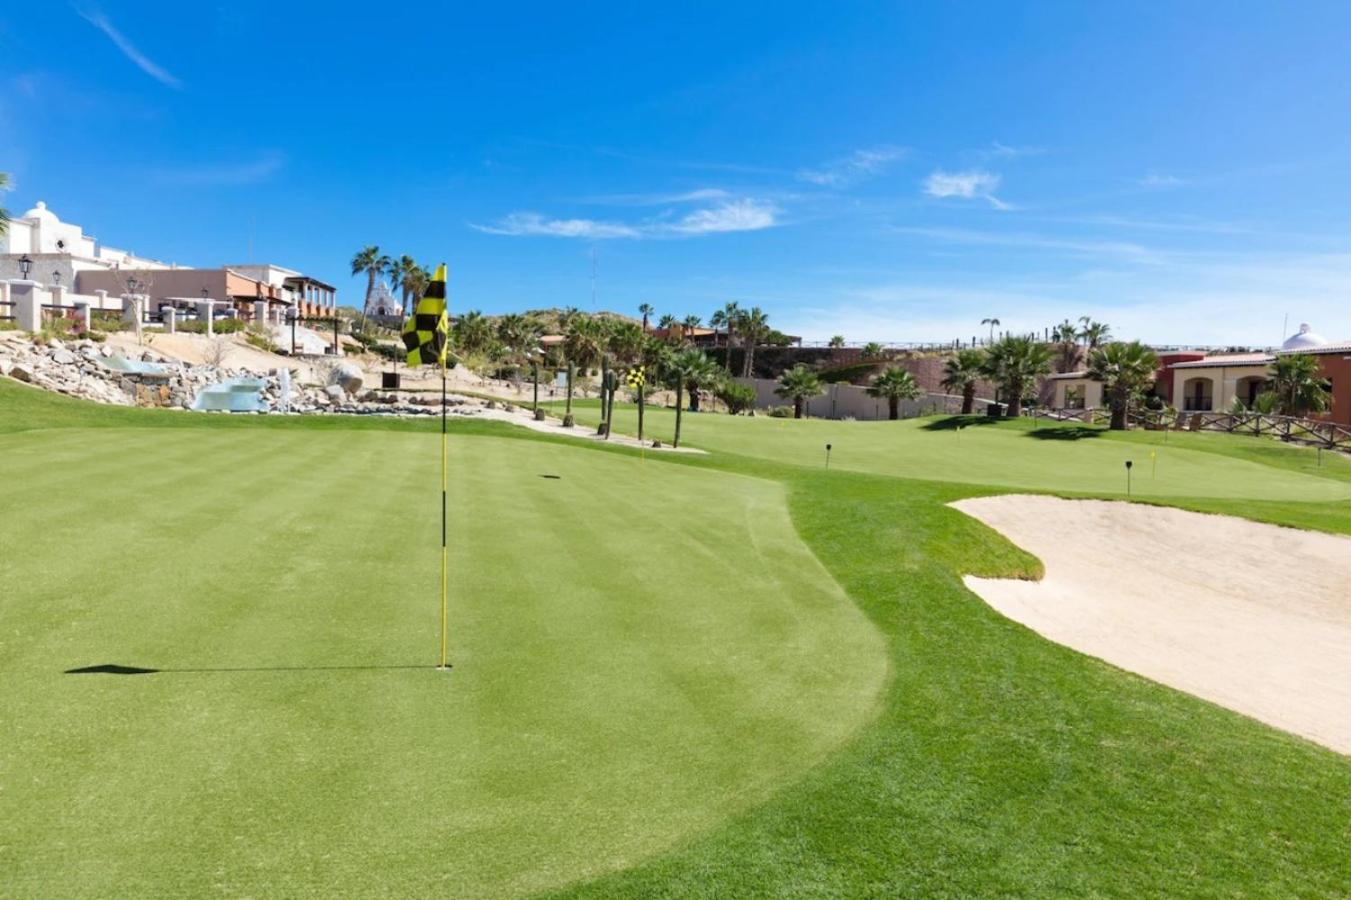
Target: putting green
(640, 651)
(1004, 454)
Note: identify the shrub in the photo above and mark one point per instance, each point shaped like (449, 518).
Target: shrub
(97, 337)
(781, 412)
(738, 397)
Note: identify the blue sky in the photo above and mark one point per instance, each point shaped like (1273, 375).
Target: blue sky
(885, 171)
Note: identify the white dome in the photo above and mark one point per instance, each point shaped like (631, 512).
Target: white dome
(1304, 339)
(42, 212)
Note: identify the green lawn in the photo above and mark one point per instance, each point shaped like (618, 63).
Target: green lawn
(719, 675)
(1008, 454)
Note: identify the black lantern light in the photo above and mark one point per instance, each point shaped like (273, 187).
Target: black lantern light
(25, 266)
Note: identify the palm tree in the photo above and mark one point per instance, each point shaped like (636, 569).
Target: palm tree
(581, 347)
(1298, 386)
(1066, 338)
(399, 271)
(655, 358)
(754, 328)
(690, 370)
(961, 371)
(689, 323)
(369, 260)
(1014, 363)
(836, 342)
(647, 310)
(473, 333)
(1095, 334)
(413, 286)
(668, 324)
(895, 384)
(1125, 371)
(872, 350)
(624, 345)
(800, 384)
(4, 213)
(993, 323)
(727, 317)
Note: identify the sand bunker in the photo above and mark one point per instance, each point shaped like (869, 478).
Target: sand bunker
(1253, 617)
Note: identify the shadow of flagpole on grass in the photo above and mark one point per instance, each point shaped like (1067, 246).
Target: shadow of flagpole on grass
(115, 669)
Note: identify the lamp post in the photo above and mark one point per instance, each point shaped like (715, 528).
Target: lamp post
(292, 316)
(25, 266)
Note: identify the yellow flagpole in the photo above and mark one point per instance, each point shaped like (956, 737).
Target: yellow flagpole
(444, 559)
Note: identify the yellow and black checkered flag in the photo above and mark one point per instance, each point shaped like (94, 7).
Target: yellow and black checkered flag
(426, 332)
(637, 377)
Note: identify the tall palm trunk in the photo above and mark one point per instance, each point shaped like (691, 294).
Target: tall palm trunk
(641, 406)
(694, 398)
(604, 387)
(894, 408)
(1118, 417)
(1015, 399)
(797, 407)
(968, 398)
(679, 405)
(535, 378)
(567, 413)
(748, 358)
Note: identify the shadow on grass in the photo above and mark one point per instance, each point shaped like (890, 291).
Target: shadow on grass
(952, 423)
(115, 669)
(1066, 433)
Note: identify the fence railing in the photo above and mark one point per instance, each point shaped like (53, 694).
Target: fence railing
(1293, 429)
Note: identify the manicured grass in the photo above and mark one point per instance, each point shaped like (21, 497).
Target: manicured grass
(607, 700)
(1005, 453)
(992, 762)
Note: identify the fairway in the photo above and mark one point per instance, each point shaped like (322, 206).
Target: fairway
(1006, 454)
(713, 674)
(639, 650)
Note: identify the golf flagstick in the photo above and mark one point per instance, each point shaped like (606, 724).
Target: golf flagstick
(426, 335)
(444, 558)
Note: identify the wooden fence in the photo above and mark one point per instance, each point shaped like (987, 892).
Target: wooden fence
(1293, 429)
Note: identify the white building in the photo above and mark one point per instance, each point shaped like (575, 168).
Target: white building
(59, 250)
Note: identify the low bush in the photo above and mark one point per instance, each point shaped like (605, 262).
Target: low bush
(737, 397)
(781, 412)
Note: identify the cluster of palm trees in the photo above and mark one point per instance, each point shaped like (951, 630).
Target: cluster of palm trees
(617, 347)
(893, 384)
(404, 274)
(1072, 340)
(744, 327)
(1015, 363)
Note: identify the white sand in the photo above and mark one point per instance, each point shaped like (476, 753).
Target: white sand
(1253, 617)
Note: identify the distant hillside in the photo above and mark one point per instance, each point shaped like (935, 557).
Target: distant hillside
(550, 319)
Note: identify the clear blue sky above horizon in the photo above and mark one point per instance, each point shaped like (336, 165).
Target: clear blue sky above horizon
(882, 171)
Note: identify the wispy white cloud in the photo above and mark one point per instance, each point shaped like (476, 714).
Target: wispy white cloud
(694, 196)
(143, 62)
(1116, 250)
(222, 174)
(1008, 151)
(855, 167)
(1158, 180)
(531, 224)
(968, 185)
(745, 214)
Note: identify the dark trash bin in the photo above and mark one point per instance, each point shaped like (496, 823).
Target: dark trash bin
(995, 410)
(389, 381)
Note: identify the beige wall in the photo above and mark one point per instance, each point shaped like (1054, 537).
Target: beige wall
(1224, 383)
(847, 401)
(1088, 389)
